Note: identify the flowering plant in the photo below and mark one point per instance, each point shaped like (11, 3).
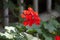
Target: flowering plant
(47, 29)
(28, 30)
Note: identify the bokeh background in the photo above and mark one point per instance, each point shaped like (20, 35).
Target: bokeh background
(10, 8)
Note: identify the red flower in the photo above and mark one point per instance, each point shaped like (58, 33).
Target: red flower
(57, 37)
(30, 17)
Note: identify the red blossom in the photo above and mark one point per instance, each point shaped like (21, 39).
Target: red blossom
(57, 37)
(31, 17)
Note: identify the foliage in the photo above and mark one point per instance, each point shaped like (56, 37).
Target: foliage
(47, 30)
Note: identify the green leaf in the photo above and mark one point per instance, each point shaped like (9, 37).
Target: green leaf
(31, 31)
(50, 27)
(48, 38)
(35, 27)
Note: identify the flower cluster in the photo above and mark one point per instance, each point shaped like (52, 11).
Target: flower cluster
(30, 17)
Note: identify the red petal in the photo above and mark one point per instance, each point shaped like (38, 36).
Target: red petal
(28, 17)
(32, 13)
(28, 12)
(37, 22)
(25, 12)
(25, 23)
(30, 23)
(30, 9)
(38, 19)
(22, 15)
